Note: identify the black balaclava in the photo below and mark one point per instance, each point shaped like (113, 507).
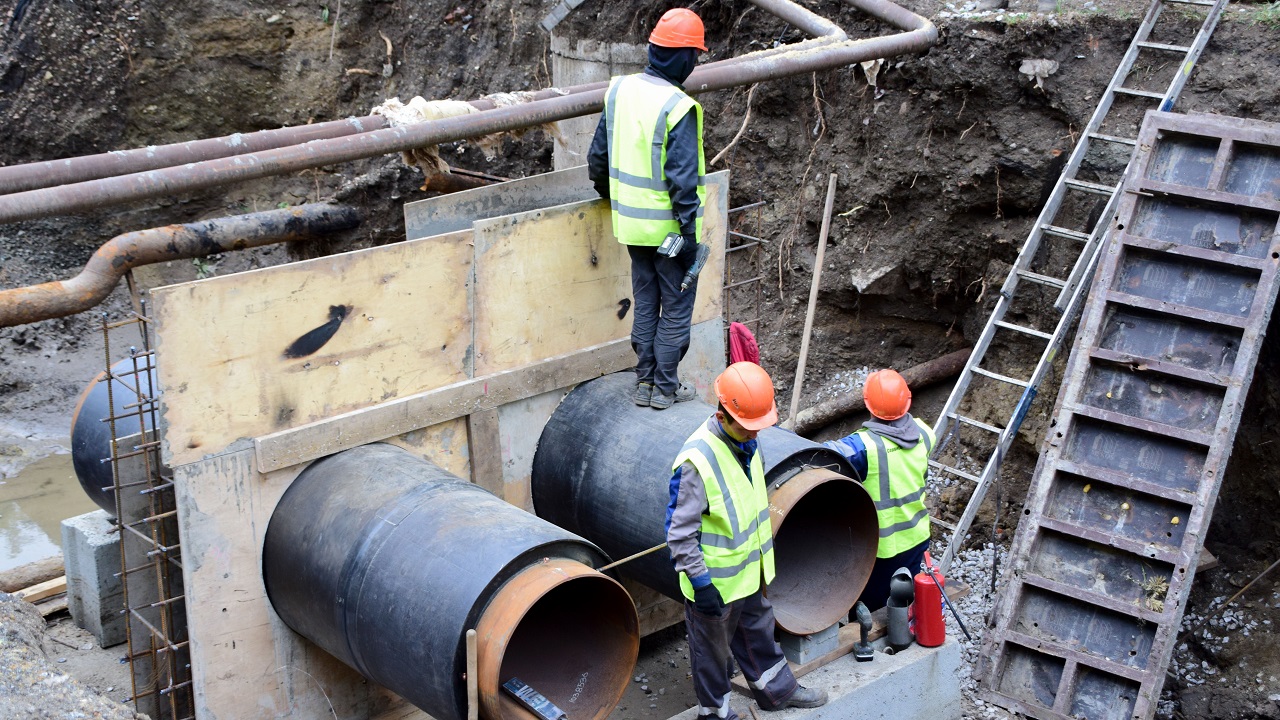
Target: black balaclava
(674, 64)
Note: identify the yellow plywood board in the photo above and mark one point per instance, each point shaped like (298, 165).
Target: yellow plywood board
(249, 354)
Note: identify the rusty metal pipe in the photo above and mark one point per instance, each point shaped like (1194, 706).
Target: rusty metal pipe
(748, 69)
(385, 560)
(602, 469)
(172, 242)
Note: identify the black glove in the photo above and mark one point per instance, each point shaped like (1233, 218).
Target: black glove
(706, 600)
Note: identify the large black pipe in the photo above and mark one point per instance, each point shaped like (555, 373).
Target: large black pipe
(131, 403)
(602, 470)
(385, 560)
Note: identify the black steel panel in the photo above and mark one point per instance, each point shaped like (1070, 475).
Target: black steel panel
(1189, 343)
(1084, 627)
(1225, 228)
(1100, 696)
(1117, 511)
(1185, 281)
(1030, 676)
(1141, 582)
(1154, 458)
(1254, 171)
(1152, 396)
(1184, 159)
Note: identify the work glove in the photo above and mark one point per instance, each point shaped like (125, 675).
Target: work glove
(706, 600)
(688, 253)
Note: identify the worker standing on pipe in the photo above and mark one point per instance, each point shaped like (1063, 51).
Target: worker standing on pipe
(893, 471)
(646, 158)
(721, 543)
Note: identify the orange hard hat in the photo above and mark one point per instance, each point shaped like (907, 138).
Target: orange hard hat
(886, 394)
(745, 391)
(679, 28)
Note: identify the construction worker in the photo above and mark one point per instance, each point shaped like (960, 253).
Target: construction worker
(646, 158)
(890, 454)
(721, 543)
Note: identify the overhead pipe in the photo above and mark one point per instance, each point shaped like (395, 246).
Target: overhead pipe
(385, 561)
(49, 173)
(99, 277)
(761, 66)
(602, 470)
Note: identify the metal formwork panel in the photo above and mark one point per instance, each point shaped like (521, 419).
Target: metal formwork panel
(1125, 487)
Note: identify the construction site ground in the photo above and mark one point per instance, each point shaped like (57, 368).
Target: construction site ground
(942, 166)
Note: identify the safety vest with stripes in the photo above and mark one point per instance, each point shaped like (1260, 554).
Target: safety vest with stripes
(895, 481)
(640, 110)
(737, 537)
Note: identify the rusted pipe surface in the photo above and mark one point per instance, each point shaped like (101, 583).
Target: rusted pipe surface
(748, 69)
(544, 607)
(924, 374)
(172, 242)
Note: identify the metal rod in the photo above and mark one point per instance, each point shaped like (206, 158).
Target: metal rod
(473, 685)
(928, 569)
(813, 301)
(629, 558)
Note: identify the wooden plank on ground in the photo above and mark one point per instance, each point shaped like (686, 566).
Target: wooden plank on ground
(53, 605)
(40, 591)
(257, 352)
(317, 439)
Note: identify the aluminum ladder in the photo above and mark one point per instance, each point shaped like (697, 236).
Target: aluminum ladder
(1052, 246)
(1144, 425)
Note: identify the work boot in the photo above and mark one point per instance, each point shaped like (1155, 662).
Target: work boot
(805, 697)
(644, 394)
(662, 401)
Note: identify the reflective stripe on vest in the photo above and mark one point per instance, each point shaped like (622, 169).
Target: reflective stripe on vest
(895, 481)
(640, 110)
(737, 535)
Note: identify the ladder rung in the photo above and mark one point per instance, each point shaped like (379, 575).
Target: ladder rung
(1161, 46)
(1204, 3)
(1001, 378)
(953, 471)
(1064, 233)
(1042, 279)
(975, 423)
(1023, 329)
(1114, 139)
(1107, 190)
(1139, 93)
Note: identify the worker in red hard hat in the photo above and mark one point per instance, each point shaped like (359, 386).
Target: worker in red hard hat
(721, 543)
(891, 457)
(646, 158)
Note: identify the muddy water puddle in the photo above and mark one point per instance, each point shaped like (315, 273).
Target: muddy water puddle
(33, 505)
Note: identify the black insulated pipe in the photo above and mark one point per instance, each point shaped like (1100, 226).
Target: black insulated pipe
(385, 560)
(603, 470)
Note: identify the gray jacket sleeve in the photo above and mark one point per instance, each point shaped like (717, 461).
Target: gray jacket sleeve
(686, 522)
(598, 158)
(681, 169)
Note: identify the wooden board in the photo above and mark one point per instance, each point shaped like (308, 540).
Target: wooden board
(40, 591)
(233, 358)
(457, 211)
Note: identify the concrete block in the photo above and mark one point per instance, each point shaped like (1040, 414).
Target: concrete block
(95, 597)
(800, 649)
(918, 682)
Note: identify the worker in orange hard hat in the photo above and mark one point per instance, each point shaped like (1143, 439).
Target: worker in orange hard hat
(721, 543)
(646, 158)
(891, 456)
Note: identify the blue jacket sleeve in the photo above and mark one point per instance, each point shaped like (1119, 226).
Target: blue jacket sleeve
(598, 159)
(853, 450)
(681, 168)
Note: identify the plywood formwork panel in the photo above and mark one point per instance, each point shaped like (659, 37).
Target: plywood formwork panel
(280, 347)
(457, 211)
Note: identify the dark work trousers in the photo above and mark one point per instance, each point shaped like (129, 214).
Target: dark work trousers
(876, 593)
(661, 315)
(746, 630)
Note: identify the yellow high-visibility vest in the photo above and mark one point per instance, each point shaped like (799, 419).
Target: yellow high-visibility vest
(640, 110)
(737, 536)
(895, 480)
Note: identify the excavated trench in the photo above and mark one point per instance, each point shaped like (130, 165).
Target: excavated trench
(942, 165)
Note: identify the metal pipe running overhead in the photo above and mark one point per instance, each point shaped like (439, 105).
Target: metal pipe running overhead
(602, 470)
(99, 277)
(550, 105)
(385, 561)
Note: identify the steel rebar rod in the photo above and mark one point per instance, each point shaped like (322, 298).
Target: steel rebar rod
(173, 242)
(918, 34)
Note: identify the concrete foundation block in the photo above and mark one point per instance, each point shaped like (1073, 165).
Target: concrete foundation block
(800, 649)
(95, 597)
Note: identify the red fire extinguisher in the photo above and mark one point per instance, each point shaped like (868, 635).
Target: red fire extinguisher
(927, 622)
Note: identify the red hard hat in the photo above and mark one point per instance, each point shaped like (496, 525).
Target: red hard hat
(745, 391)
(887, 394)
(679, 28)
